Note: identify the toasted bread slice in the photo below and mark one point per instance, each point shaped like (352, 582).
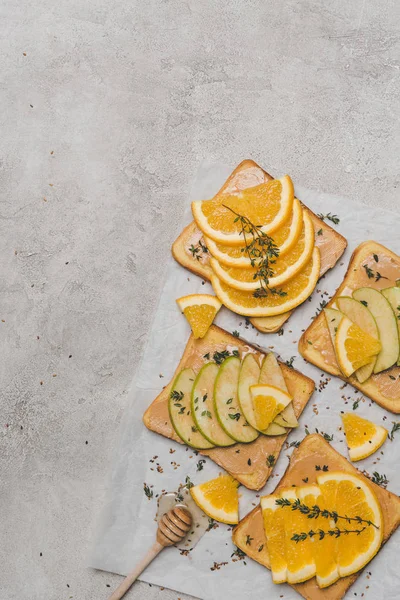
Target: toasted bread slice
(313, 450)
(248, 174)
(246, 462)
(315, 344)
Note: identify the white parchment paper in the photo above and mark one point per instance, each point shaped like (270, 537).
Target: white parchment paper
(127, 526)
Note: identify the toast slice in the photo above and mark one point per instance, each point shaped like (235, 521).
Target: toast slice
(246, 462)
(315, 344)
(313, 450)
(248, 174)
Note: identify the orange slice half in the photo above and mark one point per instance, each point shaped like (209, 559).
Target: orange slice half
(267, 206)
(296, 291)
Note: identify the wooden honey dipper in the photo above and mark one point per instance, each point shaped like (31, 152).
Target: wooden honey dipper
(172, 528)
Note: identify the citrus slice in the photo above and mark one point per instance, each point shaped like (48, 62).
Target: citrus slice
(283, 269)
(299, 555)
(200, 311)
(323, 550)
(285, 238)
(296, 291)
(355, 500)
(354, 347)
(363, 437)
(267, 206)
(268, 402)
(218, 498)
(275, 534)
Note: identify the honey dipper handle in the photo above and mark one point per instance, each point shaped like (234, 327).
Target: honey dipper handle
(134, 574)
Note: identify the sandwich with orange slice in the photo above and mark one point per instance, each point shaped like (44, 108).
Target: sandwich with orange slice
(262, 250)
(321, 526)
(357, 335)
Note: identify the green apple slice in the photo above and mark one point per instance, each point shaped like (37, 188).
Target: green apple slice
(271, 374)
(360, 314)
(392, 294)
(333, 318)
(180, 411)
(275, 429)
(227, 404)
(386, 322)
(249, 375)
(203, 409)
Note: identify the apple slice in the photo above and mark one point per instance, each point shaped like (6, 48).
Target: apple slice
(203, 409)
(392, 294)
(333, 318)
(180, 411)
(275, 429)
(249, 375)
(271, 374)
(387, 326)
(227, 404)
(360, 314)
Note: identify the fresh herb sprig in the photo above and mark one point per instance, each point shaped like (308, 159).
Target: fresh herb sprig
(371, 274)
(301, 537)
(396, 427)
(262, 252)
(334, 218)
(313, 512)
(198, 250)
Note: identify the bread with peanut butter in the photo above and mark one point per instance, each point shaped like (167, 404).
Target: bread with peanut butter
(313, 451)
(246, 175)
(371, 266)
(250, 463)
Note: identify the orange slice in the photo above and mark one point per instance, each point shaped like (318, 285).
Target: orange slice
(363, 437)
(284, 268)
(267, 205)
(285, 238)
(200, 311)
(299, 555)
(275, 533)
(323, 550)
(268, 402)
(218, 498)
(355, 498)
(297, 290)
(354, 347)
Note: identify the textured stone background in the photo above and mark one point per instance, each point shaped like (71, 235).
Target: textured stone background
(107, 107)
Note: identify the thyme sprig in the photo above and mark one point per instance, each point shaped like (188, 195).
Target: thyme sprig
(313, 512)
(371, 274)
(301, 537)
(262, 252)
(198, 250)
(396, 427)
(334, 218)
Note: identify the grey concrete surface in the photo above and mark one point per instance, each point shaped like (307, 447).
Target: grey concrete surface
(107, 107)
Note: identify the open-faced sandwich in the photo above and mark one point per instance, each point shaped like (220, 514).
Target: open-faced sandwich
(233, 403)
(357, 335)
(260, 247)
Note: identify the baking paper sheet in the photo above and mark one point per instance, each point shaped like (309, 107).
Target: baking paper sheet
(127, 526)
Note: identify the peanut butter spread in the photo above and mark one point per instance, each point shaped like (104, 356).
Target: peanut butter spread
(313, 451)
(246, 462)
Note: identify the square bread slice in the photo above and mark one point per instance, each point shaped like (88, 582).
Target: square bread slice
(246, 462)
(313, 451)
(315, 344)
(248, 174)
